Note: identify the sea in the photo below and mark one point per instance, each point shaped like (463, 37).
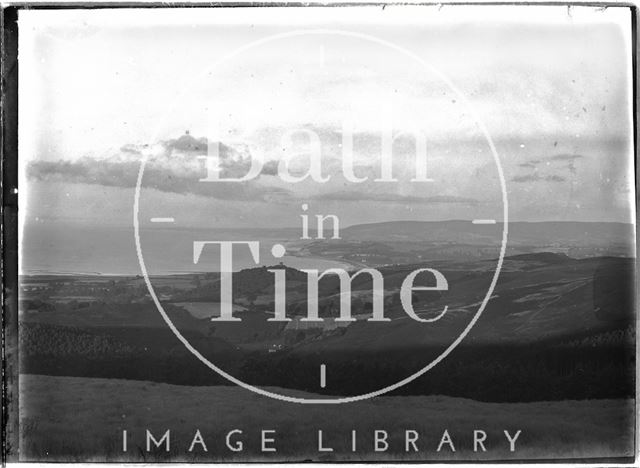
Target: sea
(68, 249)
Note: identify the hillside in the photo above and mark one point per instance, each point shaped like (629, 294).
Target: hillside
(535, 233)
(552, 323)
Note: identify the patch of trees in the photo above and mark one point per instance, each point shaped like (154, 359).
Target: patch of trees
(122, 353)
(584, 368)
(485, 373)
(37, 338)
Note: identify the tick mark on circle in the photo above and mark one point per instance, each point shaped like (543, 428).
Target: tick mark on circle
(484, 221)
(323, 376)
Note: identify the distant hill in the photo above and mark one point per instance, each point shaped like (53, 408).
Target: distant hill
(533, 233)
(541, 257)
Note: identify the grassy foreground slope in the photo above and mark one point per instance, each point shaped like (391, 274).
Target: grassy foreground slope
(81, 419)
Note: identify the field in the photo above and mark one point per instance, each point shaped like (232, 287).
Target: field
(82, 419)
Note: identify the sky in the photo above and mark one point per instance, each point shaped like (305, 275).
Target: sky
(102, 89)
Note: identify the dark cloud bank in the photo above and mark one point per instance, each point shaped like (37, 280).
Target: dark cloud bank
(177, 169)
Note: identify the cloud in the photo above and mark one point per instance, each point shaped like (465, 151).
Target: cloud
(270, 168)
(85, 170)
(172, 166)
(568, 161)
(132, 149)
(554, 178)
(535, 177)
(532, 163)
(188, 144)
(392, 197)
(565, 157)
